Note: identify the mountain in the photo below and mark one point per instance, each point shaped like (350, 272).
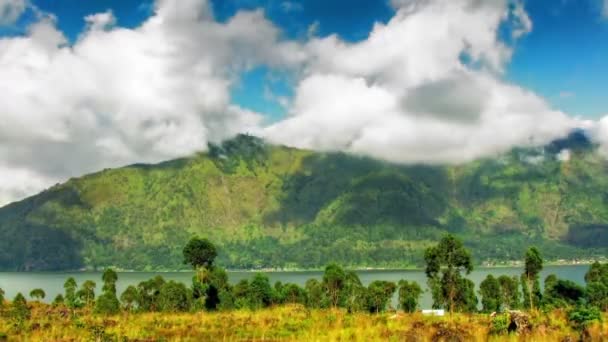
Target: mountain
(273, 206)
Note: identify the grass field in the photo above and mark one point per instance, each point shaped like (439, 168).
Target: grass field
(291, 322)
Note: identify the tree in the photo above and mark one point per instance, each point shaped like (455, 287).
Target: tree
(317, 297)
(534, 264)
(199, 253)
(129, 297)
(109, 278)
(509, 292)
(107, 303)
(37, 294)
(173, 297)
(444, 264)
(489, 289)
(293, 294)
(86, 294)
(19, 309)
(597, 285)
(260, 291)
(466, 300)
(207, 284)
(333, 282)
(379, 293)
(71, 299)
(148, 292)
(1, 298)
(354, 294)
(560, 293)
(59, 300)
(409, 295)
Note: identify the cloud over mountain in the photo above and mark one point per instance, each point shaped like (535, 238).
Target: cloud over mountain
(425, 87)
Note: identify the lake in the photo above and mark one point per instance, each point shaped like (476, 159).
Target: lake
(52, 282)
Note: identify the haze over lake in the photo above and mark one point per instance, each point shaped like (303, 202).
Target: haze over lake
(52, 282)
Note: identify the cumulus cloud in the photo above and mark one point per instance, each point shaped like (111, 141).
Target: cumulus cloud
(426, 87)
(406, 94)
(11, 10)
(119, 96)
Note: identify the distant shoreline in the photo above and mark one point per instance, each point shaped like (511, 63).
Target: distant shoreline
(300, 270)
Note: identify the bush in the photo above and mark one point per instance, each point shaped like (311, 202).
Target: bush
(500, 324)
(19, 309)
(583, 316)
(174, 297)
(107, 304)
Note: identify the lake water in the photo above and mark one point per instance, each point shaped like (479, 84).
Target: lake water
(52, 282)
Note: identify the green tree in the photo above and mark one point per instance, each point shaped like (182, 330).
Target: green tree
(1, 298)
(509, 292)
(582, 316)
(379, 293)
(59, 300)
(561, 293)
(109, 279)
(597, 286)
(354, 294)
(70, 288)
(530, 282)
(108, 303)
(489, 289)
(293, 294)
(207, 284)
(148, 292)
(444, 264)
(317, 297)
(260, 291)
(19, 309)
(409, 295)
(199, 253)
(333, 282)
(37, 294)
(86, 294)
(174, 297)
(466, 300)
(129, 297)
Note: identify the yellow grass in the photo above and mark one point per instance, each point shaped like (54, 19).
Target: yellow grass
(291, 323)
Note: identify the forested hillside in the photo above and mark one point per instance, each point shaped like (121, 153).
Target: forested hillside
(272, 206)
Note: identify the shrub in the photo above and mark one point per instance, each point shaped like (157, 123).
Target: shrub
(500, 324)
(582, 316)
(173, 297)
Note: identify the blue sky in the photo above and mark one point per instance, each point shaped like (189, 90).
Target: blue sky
(564, 59)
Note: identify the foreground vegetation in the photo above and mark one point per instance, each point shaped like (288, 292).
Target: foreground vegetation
(276, 207)
(288, 322)
(337, 307)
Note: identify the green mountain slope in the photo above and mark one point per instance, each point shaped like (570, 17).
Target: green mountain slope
(270, 206)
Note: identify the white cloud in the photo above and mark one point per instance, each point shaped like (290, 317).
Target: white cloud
(100, 21)
(563, 155)
(11, 10)
(599, 133)
(405, 95)
(119, 96)
(605, 9)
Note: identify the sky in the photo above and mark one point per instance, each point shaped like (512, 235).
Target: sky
(87, 85)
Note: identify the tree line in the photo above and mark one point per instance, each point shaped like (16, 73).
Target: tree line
(447, 265)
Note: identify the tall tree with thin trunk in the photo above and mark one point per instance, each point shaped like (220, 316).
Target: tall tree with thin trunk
(534, 264)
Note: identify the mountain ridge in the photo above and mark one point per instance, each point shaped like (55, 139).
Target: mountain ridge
(274, 206)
